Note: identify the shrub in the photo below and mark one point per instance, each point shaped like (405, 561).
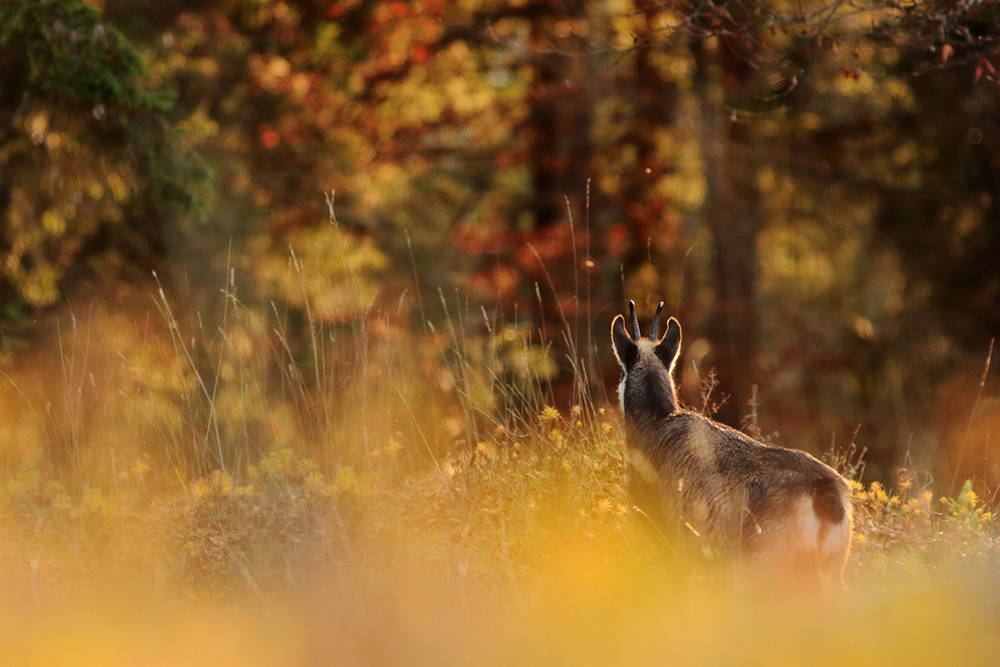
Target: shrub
(239, 538)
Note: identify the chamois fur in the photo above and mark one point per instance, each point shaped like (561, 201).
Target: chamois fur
(779, 514)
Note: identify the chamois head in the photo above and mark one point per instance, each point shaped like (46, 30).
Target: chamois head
(647, 385)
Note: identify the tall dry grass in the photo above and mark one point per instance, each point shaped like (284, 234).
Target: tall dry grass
(261, 491)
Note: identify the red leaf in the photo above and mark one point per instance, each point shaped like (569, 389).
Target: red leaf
(434, 7)
(979, 74)
(268, 137)
(946, 52)
(420, 53)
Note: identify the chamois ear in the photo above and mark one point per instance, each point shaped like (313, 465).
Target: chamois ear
(669, 347)
(625, 348)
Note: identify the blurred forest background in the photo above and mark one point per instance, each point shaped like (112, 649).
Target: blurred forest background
(368, 226)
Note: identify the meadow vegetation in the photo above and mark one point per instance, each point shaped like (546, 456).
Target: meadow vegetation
(331, 524)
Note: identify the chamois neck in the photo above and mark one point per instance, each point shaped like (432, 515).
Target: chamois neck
(650, 399)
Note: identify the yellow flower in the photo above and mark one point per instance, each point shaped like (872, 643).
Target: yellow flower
(878, 493)
(549, 414)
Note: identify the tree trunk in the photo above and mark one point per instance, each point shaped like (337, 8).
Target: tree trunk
(560, 125)
(731, 212)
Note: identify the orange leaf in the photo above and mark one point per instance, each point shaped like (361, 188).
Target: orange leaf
(946, 52)
(979, 74)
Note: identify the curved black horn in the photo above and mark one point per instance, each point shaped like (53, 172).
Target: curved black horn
(635, 321)
(656, 322)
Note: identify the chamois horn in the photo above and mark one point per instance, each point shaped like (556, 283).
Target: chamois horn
(635, 321)
(656, 323)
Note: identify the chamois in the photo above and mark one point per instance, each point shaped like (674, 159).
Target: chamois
(778, 514)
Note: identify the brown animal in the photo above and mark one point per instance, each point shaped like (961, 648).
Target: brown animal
(778, 514)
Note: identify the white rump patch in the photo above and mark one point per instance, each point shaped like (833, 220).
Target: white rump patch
(816, 535)
(835, 541)
(809, 523)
